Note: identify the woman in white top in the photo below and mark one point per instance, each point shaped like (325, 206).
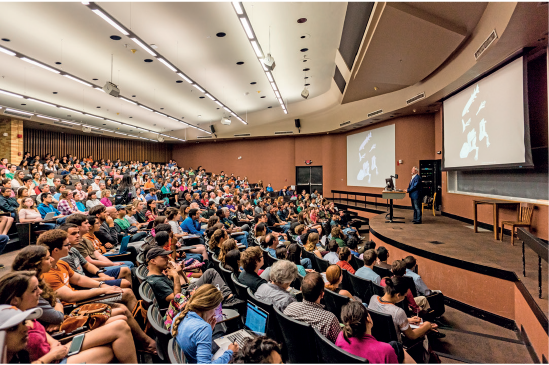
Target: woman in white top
(29, 214)
(17, 181)
(174, 217)
(92, 200)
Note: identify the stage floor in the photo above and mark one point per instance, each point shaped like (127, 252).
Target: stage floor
(460, 242)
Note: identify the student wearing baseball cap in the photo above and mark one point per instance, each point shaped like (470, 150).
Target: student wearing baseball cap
(12, 321)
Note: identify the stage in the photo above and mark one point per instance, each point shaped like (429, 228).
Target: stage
(472, 269)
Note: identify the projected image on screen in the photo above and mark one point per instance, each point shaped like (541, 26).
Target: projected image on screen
(371, 157)
(484, 124)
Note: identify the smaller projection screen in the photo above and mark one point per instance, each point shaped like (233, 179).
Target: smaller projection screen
(371, 157)
(486, 124)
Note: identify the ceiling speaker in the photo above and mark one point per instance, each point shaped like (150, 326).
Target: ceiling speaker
(212, 129)
(297, 123)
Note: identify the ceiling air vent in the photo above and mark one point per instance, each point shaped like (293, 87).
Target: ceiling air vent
(242, 135)
(491, 38)
(375, 113)
(344, 123)
(285, 132)
(203, 137)
(64, 125)
(415, 98)
(17, 113)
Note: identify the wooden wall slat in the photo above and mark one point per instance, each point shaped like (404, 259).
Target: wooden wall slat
(41, 142)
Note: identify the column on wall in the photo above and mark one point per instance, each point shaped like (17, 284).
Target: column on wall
(11, 139)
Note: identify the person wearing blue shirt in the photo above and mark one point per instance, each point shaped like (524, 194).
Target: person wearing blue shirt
(151, 195)
(191, 224)
(46, 206)
(270, 188)
(193, 327)
(421, 287)
(415, 192)
(367, 272)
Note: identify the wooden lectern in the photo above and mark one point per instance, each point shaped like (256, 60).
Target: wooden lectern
(390, 195)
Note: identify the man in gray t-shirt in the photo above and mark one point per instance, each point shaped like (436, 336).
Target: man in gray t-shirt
(282, 274)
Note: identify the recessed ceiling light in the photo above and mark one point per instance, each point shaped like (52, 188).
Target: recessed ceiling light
(131, 117)
(3, 50)
(301, 20)
(306, 69)
(304, 60)
(5, 39)
(148, 60)
(253, 83)
(55, 92)
(57, 63)
(221, 34)
(269, 107)
(110, 21)
(201, 97)
(95, 79)
(98, 107)
(10, 94)
(115, 37)
(179, 81)
(302, 37)
(240, 63)
(23, 104)
(263, 97)
(161, 108)
(304, 49)
(306, 77)
(307, 84)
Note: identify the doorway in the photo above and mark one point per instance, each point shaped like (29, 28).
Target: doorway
(309, 178)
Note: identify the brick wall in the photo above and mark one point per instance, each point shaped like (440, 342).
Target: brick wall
(10, 145)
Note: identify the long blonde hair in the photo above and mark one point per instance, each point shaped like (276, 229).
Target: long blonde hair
(312, 240)
(226, 246)
(205, 298)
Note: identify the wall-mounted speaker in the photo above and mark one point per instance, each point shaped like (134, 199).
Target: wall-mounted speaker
(212, 128)
(297, 123)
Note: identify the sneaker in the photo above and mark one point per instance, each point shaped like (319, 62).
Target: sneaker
(233, 303)
(433, 334)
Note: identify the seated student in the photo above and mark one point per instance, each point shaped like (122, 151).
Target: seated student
(304, 265)
(260, 350)
(61, 278)
(410, 262)
(395, 292)
(232, 261)
(281, 275)
(333, 255)
(191, 224)
(226, 247)
(60, 189)
(20, 292)
(193, 327)
(216, 240)
(173, 216)
(29, 214)
(338, 236)
(345, 259)
(270, 243)
(419, 304)
(92, 200)
(334, 275)
(366, 271)
(107, 233)
(7, 203)
(79, 264)
(130, 217)
(312, 243)
(356, 336)
(251, 260)
(311, 311)
(382, 256)
(47, 207)
(67, 205)
(105, 195)
(274, 221)
(124, 227)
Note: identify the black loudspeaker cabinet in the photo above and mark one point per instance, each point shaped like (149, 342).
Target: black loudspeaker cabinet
(212, 128)
(297, 123)
(431, 176)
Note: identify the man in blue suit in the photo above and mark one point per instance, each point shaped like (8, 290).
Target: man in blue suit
(414, 189)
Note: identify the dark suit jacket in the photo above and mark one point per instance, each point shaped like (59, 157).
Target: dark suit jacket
(414, 189)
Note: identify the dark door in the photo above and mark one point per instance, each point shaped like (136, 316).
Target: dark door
(308, 178)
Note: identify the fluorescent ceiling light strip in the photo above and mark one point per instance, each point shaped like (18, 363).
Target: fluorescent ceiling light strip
(85, 2)
(199, 88)
(269, 76)
(39, 64)
(273, 85)
(143, 46)
(172, 118)
(167, 64)
(77, 80)
(264, 67)
(41, 102)
(238, 7)
(285, 111)
(129, 101)
(93, 116)
(70, 110)
(185, 77)
(277, 94)
(66, 121)
(227, 109)
(247, 27)
(112, 121)
(18, 111)
(234, 115)
(211, 97)
(46, 117)
(98, 88)
(10, 94)
(110, 21)
(144, 107)
(124, 134)
(6, 51)
(160, 114)
(257, 50)
(218, 103)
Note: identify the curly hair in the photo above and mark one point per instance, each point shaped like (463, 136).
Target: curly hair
(205, 298)
(216, 237)
(250, 257)
(226, 246)
(256, 351)
(30, 259)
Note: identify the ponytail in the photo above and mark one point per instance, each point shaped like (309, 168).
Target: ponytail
(205, 298)
(395, 285)
(354, 316)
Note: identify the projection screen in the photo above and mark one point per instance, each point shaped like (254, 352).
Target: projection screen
(486, 124)
(371, 157)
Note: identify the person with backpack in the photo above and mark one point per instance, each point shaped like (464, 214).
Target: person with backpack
(126, 191)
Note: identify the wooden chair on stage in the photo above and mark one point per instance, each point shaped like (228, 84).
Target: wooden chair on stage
(432, 205)
(525, 216)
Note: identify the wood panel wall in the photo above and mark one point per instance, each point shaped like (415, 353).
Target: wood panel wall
(41, 142)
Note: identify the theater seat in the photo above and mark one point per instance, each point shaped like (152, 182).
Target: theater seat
(298, 339)
(175, 354)
(329, 353)
(362, 288)
(146, 294)
(383, 329)
(241, 289)
(334, 302)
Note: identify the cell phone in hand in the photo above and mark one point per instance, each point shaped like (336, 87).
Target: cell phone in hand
(219, 313)
(76, 344)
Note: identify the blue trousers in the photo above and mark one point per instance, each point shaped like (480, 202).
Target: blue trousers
(416, 204)
(242, 238)
(306, 263)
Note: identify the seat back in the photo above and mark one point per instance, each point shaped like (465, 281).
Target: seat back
(411, 285)
(141, 273)
(329, 353)
(311, 256)
(298, 338)
(362, 288)
(334, 302)
(378, 289)
(272, 328)
(241, 289)
(226, 275)
(162, 335)
(384, 328)
(355, 261)
(382, 272)
(436, 302)
(146, 293)
(140, 258)
(321, 264)
(526, 210)
(346, 282)
(216, 264)
(175, 354)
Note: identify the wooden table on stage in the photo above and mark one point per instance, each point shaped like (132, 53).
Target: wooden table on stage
(496, 204)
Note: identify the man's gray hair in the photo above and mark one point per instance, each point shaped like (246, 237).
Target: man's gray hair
(225, 209)
(283, 272)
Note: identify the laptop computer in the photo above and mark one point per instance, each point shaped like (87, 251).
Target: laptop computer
(256, 325)
(49, 216)
(123, 247)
